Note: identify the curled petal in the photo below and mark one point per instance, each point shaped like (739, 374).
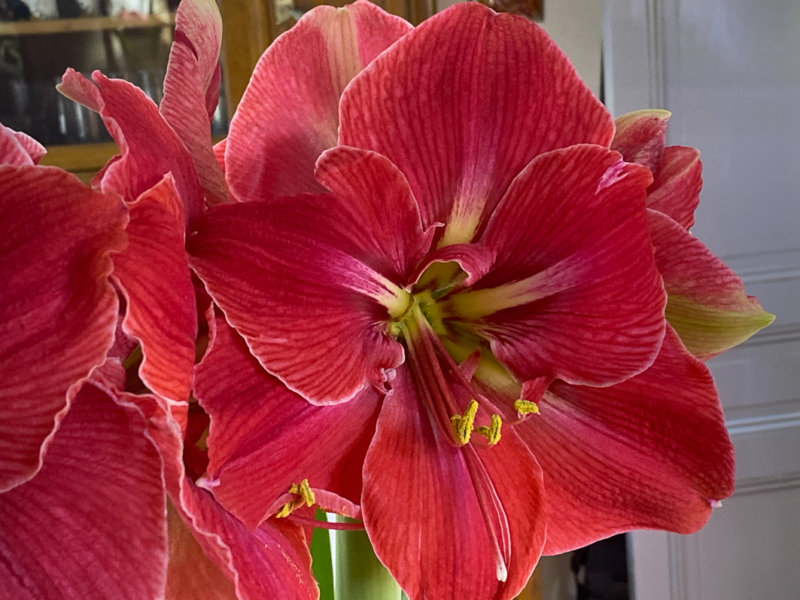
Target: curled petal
(286, 278)
(264, 438)
(475, 260)
(91, 524)
(676, 188)
(191, 88)
(706, 304)
(651, 452)
(453, 107)
(269, 561)
(17, 148)
(574, 292)
(289, 113)
(640, 137)
(153, 273)
(149, 147)
(58, 312)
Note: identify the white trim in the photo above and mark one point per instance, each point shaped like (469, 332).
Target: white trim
(633, 55)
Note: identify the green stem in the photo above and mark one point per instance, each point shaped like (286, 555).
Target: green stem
(357, 573)
(322, 564)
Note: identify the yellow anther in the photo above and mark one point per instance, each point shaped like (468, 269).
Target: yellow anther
(463, 424)
(304, 491)
(306, 494)
(492, 432)
(526, 407)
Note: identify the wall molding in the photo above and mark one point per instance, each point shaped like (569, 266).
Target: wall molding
(774, 334)
(761, 485)
(656, 55)
(772, 265)
(678, 572)
(772, 422)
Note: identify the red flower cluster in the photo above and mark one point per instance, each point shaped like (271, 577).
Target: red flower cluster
(434, 286)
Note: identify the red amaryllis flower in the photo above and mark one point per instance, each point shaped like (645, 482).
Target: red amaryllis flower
(82, 504)
(209, 549)
(58, 313)
(707, 304)
(481, 257)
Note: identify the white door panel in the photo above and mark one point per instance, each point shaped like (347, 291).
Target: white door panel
(729, 70)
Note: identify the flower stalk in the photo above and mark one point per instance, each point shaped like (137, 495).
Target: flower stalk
(357, 572)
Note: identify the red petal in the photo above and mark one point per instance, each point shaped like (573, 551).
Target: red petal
(264, 438)
(17, 148)
(91, 524)
(58, 312)
(574, 292)
(378, 201)
(474, 259)
(191, 88)
(191, 574)
(269, 562)
(286, 277)
(289, 113)
(154, 274)
(149, 147)
(676, 188)
(425, 508)
(219, 153)
(462, 103)
(640, 137)
(706, 304)
(652, 452)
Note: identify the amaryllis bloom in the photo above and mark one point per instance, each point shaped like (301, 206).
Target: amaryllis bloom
(480, 274)
(58, 309)
(82, 502)
(707, 304)
(130, 441)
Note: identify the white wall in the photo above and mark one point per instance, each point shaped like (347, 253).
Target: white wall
(729, 70)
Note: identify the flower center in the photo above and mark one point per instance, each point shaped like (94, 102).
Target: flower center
(433, 345)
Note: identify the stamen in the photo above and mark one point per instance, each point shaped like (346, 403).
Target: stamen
(463, 424)
(304, 491)
(526, 407)
(492, 432)
(306, 497)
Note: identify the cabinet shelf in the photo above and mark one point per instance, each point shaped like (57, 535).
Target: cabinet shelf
(83, 24)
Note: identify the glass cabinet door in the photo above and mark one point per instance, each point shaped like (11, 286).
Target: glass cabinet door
(39, 39)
